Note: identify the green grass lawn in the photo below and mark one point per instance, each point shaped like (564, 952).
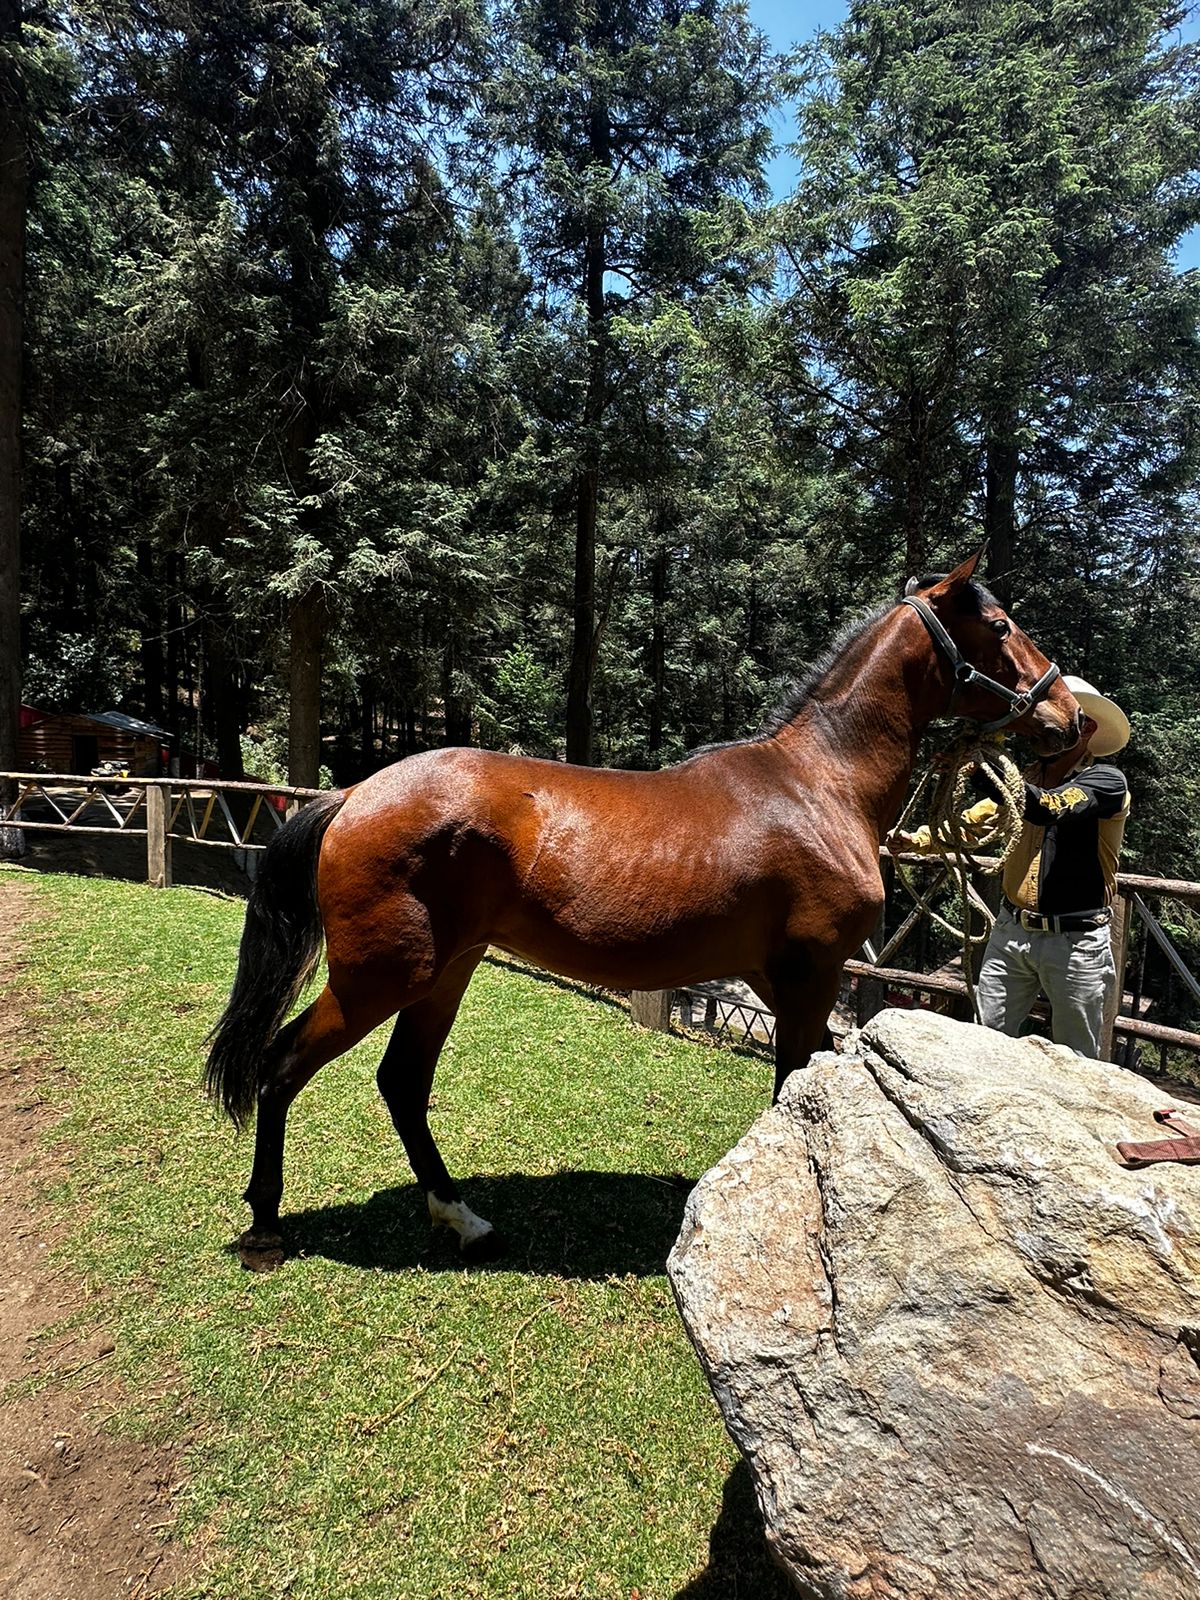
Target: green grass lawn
(374, 1419)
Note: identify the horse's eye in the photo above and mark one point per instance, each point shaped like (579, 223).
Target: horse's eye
(1002, 626)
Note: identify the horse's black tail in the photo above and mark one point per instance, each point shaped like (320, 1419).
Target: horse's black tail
(281, 944)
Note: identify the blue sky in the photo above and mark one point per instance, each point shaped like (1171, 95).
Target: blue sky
(788, 24)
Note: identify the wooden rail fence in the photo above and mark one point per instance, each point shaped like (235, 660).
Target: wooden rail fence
(163, 811)
(1133, 891)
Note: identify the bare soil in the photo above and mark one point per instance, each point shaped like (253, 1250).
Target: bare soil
(82, 1512)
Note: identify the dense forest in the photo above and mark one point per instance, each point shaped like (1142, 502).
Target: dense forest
(390, 374)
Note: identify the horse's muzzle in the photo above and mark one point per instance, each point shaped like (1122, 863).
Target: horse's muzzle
(1053, 737)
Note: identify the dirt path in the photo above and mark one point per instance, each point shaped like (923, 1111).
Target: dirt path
(81, 1512)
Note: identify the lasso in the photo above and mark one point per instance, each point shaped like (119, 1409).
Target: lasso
(959, 832)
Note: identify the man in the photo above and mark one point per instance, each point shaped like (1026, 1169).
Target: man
(1053, 931)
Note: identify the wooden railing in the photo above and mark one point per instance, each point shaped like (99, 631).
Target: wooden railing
(218, 815)
(1133, 889)
(875, 975)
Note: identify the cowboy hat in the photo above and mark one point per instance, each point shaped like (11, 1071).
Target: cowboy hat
(1112, 725)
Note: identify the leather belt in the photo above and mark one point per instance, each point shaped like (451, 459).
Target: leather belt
(1070, 922)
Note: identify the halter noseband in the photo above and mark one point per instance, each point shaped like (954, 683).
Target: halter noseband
(1020, 701)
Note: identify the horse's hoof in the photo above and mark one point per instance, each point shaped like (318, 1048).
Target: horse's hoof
(260, 1251)
(483, 1247)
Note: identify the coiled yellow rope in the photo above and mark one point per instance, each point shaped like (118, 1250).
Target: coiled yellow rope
(958, 832)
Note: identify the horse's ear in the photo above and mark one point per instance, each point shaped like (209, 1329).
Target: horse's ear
(912, 586)
(962, 574)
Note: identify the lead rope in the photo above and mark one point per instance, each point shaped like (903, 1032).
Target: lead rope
(969, 754)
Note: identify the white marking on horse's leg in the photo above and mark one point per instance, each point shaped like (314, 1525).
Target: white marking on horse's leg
(454, 1214)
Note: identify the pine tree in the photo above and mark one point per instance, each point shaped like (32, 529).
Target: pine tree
(980, 246)
(14, 164)
(284, 146)
(629, 125)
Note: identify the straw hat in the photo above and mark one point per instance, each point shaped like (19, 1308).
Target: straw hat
(1112, 725)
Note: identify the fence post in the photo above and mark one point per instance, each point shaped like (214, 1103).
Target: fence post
(1122, 919)
(158, 843)
(12, 840)
(651, 1008)
(870, 994)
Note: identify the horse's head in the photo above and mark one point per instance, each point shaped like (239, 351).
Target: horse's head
(999, 677)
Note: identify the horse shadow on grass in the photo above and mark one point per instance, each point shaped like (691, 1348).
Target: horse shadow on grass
(568, 1224)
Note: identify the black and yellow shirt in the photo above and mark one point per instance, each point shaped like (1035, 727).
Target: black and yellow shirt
(1066, 858)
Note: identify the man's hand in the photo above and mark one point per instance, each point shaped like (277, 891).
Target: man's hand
(918, 842)
(973, 823)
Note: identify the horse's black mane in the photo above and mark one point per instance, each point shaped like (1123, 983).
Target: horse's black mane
(800, 690)
(972, 599)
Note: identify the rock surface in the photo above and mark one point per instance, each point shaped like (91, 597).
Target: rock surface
(955, 1339)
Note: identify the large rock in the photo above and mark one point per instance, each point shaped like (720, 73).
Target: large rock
(955, 1339)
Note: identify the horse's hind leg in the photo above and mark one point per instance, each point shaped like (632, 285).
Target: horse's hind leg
(318, 1035)
(405, 1079)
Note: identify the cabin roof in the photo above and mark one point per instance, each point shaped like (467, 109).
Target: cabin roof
(118, 719)
(110, 719)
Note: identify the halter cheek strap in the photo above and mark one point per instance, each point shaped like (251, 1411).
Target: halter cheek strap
(1020, 701)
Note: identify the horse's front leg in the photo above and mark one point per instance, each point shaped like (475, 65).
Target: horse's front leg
(804, 993)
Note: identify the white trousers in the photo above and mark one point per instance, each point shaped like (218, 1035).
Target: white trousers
(1075, 971)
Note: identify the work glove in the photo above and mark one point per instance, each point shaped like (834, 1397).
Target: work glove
(975, 822)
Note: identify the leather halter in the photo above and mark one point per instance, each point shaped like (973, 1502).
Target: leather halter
(1020, 700)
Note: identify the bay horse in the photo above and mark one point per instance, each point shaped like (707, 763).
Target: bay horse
(758, 859)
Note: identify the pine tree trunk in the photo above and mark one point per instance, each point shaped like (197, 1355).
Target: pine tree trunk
(14, 194)
(174, 652)
(224, 704)
(916, 541)
(366, 708)
(583, 635)
(457, 711)
(307, 620)
(1000, 507)
(311, 274)
(150, 634)
(658, 648)
(304, 680)
(579, 683)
